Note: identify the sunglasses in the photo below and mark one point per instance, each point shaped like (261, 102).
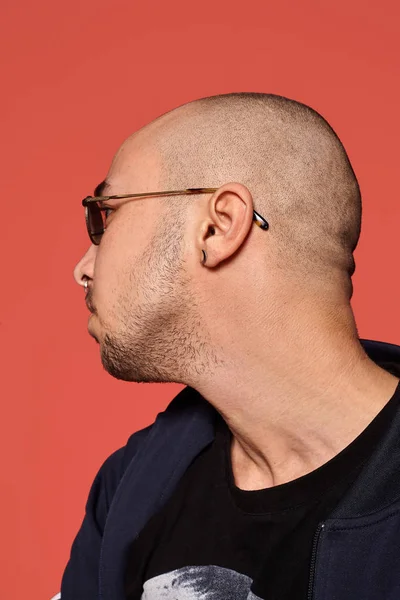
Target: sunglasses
(96, 213)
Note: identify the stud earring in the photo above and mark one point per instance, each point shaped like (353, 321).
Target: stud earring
(203, 262)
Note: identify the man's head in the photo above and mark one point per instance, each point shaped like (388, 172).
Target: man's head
(160, 314)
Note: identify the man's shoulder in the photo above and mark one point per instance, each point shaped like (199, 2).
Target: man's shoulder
(114, 467)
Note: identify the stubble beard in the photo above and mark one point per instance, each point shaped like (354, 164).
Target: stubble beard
(161, 339)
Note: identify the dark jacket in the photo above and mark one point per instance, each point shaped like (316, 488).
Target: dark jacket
(356, 553)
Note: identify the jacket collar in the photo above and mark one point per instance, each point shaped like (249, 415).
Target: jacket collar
(378, 484)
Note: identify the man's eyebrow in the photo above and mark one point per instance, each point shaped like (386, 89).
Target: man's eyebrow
(99, 190)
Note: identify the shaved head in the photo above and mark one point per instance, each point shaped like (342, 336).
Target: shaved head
(190, 272)
(292, 162)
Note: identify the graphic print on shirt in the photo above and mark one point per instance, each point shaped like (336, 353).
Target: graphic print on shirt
(199, 583)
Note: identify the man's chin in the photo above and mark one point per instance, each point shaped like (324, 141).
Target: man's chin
(94, 337)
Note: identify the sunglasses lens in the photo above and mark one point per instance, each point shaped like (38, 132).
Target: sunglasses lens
(94, 222)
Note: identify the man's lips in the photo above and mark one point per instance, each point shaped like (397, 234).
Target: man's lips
(89, 305)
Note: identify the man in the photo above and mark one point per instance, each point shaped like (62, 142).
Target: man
(274, 473)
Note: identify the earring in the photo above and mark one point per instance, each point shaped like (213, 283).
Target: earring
(203, 262)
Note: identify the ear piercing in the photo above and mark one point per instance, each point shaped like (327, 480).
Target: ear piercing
(203, 261)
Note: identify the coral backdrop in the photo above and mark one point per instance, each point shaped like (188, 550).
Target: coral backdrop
(77, 78)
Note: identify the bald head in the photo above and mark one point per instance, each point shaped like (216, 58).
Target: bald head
(192, 274)
(292, 162)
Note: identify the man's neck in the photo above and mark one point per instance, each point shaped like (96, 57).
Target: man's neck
(295, 404)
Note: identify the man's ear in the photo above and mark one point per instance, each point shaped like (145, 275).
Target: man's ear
(229, 217)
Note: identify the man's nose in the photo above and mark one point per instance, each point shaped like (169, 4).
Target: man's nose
(85, 267)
